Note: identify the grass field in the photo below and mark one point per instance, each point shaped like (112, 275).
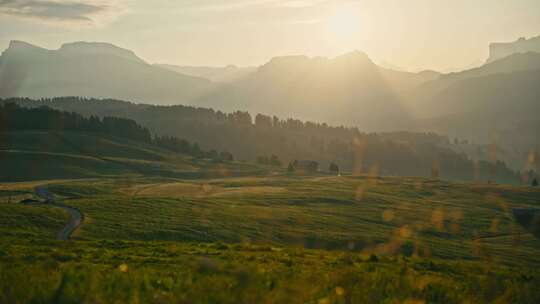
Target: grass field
(160, 227)
(177, 272)
(39, 155)
(273, 239)
(383, 215)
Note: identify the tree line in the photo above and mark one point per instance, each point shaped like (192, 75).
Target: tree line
(13, 117)
(260, 137)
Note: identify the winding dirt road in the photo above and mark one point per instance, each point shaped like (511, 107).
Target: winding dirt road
(74, 222)
(76, 217)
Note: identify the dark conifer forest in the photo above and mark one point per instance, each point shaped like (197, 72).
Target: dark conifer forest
(16, 118)
(250, 138)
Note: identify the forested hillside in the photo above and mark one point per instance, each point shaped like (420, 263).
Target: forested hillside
(13, 117)
(16, 118)
(247, 138)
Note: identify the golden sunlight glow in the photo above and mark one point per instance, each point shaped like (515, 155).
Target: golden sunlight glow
(344, 24)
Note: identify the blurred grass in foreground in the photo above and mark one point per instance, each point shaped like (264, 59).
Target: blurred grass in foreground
(165, 272)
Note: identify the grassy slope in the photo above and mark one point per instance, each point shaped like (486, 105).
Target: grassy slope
(463, 243)
(36, 222)
(165, 272)
(412, 216)
(38, 155)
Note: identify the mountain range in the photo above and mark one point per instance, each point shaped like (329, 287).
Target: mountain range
(522, 45)
(226, 74)
(348, 89)
(480, 104)
(481, 88)
(91, 69)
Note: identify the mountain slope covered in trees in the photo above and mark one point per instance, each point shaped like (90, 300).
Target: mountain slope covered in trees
(247, 138)
(42, 143)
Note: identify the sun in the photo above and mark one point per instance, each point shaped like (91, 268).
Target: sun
(344, 24)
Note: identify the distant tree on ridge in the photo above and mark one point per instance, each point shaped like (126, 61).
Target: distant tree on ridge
(333, 168)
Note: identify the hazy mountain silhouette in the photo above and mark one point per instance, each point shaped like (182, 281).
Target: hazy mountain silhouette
(500, 50)
(91, 69)
(461, 92)
(511, 95)
(496, 104)
(226, 74)
(349, 89)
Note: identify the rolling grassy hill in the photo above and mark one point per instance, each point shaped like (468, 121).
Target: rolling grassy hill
(274, 239)
(42, 154)
(394, 153)
(409, 216)
(165, 227)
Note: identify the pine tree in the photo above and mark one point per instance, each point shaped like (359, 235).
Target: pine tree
(290, 168)
(333, 168)
(274, 161)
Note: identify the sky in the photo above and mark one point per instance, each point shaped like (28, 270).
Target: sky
(411, 35)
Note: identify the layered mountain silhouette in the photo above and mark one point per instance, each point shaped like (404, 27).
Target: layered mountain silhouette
(93, 70)
(349, 89)
(228, 74)
(346, 90)
(522, 45)
(506, 82)
(496, 104)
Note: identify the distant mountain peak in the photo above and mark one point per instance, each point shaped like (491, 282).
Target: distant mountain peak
(91, 69)
(353, 58)
(355, 55)
(522, 45)
(284, 63)
(101, 48)
(21, 44)
(18, 46)
(288, 59)
(77, 48)
(92, 46)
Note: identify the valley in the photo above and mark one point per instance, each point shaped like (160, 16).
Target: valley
(269, 151)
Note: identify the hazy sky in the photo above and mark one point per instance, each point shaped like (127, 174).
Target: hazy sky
(412, 34)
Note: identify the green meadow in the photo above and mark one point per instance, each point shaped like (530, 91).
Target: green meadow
(270, 239)
(164, 227)
(40, 155)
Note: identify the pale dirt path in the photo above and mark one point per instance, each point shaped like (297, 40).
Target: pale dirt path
(76, 216)
(74, 222)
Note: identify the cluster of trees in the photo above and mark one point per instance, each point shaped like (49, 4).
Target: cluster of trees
(14, 117)
(247, 137)
(184, 147)
(333, 168)
(273, 160)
